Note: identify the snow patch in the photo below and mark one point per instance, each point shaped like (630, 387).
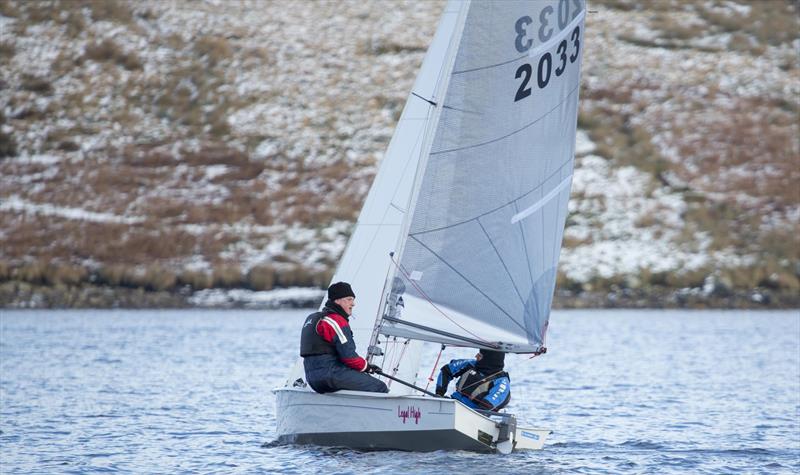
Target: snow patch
(277, 298)
(14, 203)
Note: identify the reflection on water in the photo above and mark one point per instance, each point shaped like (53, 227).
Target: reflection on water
(174, 391)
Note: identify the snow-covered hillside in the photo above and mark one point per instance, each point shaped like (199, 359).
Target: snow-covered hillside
(229, 144)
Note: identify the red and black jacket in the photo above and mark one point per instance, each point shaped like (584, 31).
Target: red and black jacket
(328, 332)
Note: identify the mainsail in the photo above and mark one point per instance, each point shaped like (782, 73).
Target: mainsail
(477, 254)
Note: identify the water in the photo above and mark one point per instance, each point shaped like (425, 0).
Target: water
(189, 391)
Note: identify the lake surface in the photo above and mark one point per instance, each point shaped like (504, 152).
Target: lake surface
(189, 392)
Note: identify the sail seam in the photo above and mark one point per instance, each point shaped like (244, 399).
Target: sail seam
(514, 132)
(558, 170)
(539, 49)
(469, 282)
(491, 65)
(513, 284)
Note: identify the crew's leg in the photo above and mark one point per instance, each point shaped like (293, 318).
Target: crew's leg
(346, 378)
(317, 374)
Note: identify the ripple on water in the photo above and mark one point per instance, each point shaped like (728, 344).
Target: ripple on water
(189, 392)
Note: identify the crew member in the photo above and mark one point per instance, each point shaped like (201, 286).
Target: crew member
(482, 382)
(328, 350)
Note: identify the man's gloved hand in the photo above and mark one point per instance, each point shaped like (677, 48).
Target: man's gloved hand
(373, 368)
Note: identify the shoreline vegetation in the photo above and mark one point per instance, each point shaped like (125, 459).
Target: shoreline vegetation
(25, 295)
(208, 154)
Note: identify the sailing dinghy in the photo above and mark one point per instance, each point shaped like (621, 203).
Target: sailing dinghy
(459, 237)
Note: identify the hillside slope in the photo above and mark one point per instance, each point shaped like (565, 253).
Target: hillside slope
(178, 146)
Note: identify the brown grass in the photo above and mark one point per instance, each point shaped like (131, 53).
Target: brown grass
(380, 46)
(672, 29)
(228, 276)
(36, 84)
(197, 280)
(261, 277)
(108, 51)
(616, 137)
(8, 146)
(7, 50)
(772, 22)
(752, 135)
(189, 95)
(109, 10)
(624, 5)
(215, 49)
(69, 13)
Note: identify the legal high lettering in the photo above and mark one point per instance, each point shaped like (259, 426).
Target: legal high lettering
(410, 412)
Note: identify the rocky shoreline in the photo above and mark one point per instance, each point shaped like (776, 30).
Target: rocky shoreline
(23, 295)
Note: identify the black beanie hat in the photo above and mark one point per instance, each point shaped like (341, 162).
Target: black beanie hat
(340, 290)
(491, 362)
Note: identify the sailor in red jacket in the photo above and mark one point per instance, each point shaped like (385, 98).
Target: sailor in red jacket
(328, 350)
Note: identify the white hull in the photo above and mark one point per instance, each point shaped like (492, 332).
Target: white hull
(372, 421)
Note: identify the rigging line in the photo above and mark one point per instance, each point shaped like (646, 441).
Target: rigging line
(392, 360)
(430, 378)
(388, 356)
(513, 284)
(558, 170)
(425, 296)
(383, 357)
(525, 248)
(376, 328)
(469, 282)
(396, 366)
(513, 132)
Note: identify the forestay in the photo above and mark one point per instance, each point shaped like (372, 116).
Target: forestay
(478, 253)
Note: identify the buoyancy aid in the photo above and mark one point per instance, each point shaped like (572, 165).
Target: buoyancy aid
(476, 385)
(311, 343)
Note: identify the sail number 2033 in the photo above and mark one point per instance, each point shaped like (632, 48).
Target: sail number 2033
(544, 69)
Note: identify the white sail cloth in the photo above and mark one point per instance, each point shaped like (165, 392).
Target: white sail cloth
(480, 253)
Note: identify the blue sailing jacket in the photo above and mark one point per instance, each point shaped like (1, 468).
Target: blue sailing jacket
(475, 389)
